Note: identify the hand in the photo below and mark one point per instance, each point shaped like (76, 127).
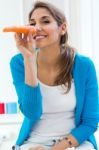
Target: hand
(24, 43)
(37, 148)
(60, 146)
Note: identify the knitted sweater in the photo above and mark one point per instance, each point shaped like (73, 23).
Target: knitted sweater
(86, 91)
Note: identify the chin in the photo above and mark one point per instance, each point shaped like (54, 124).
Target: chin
(41, 46)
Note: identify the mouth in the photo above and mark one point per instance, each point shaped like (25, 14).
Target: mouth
(39, 37)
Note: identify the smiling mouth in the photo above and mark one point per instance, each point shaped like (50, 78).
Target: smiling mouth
(39, 37)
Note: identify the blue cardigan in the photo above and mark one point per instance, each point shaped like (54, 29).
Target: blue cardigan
(86, 91)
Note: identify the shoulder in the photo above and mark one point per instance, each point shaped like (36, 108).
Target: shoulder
(83, 61)
(17, 58)
(83, 66)
(17, 62)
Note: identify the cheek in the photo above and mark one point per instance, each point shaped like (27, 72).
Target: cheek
(52, 28)
(53, 31)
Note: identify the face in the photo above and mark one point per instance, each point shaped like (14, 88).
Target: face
(48, 32)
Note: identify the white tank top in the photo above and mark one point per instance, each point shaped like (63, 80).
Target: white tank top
(57, 119)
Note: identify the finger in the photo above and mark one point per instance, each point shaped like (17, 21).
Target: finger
(18, 36)
(31, 149)
(17, 39)
(30, 37)
(37, 148)
(31, 43)
(40, 148)
(24, 38)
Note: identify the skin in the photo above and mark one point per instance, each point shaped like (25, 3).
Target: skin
(49, 46)
(46, 25)
(48, 43)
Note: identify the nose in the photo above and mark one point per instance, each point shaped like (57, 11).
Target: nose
(38, 27)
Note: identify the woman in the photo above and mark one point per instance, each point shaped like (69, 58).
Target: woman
(57, 87)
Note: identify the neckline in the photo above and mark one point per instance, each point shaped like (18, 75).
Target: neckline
(43, 84)
(48, 86)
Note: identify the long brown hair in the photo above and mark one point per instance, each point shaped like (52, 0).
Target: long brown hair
(66, 52)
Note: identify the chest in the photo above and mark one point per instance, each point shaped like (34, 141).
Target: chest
(46, 76)
(55, 100)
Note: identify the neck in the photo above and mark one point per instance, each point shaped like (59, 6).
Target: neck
(49, 57)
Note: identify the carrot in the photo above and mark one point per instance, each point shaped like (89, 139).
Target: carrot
(20, 29)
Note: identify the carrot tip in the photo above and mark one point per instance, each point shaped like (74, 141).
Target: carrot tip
(20, 29)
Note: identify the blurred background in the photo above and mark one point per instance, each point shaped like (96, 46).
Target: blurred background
(83, 28)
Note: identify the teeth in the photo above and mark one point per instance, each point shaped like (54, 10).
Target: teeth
(39, 37)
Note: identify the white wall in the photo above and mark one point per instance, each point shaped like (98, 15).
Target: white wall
(10, 14)
(27, 5)
(13, 13)
(95, 33)
(83, 26)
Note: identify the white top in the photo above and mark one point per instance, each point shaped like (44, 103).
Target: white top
(57, 119)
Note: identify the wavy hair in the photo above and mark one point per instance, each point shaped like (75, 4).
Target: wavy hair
(65, 61)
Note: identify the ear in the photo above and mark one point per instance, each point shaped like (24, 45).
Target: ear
(63, 28)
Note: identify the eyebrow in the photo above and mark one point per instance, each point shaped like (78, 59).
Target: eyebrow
(44, 17)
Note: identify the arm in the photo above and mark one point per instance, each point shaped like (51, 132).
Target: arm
(29, 97)
(90, 113)
(24, 77)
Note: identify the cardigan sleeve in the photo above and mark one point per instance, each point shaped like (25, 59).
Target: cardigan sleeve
(90, 112)
(29, 98)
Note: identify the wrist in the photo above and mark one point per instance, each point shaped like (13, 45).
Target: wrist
(29, 59)
(68, 142)
(71, 141)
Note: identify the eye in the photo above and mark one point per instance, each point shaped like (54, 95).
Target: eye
(46, 21)
(32, 24)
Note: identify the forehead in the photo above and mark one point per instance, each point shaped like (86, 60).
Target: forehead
(41, 12)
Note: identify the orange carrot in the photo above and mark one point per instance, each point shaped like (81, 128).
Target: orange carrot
(20, 29)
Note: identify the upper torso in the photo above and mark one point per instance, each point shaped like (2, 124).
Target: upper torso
(57, 118)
